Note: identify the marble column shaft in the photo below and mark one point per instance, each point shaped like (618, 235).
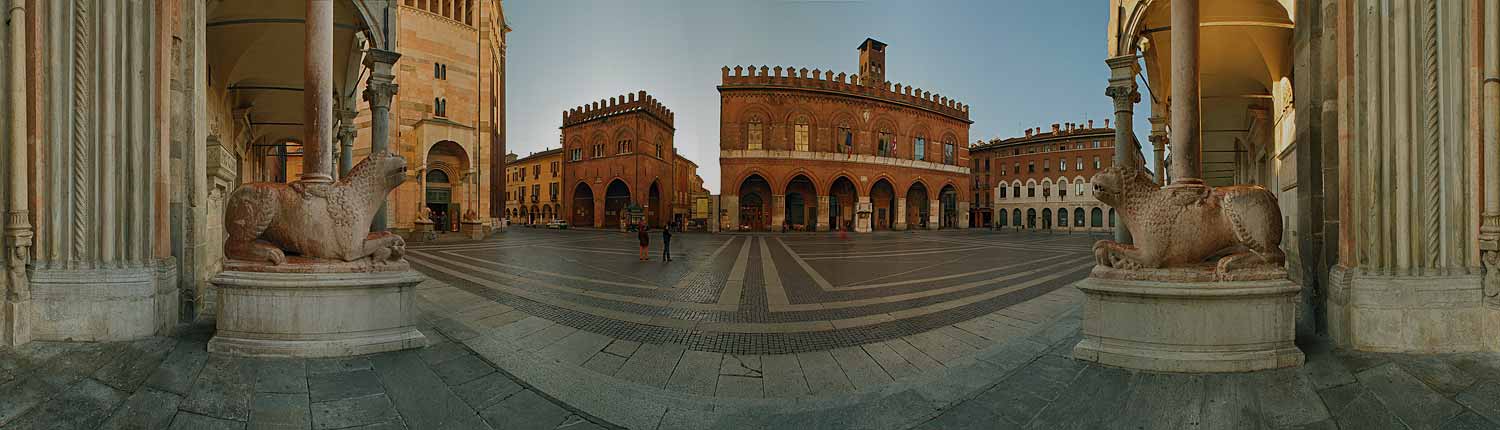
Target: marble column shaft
(823, 208)
(379, 92)
(1159, 146)
(317, 93)
(1122, 89)
(15, 289)
(1186, 124)
(347, 132)
(1491, 224)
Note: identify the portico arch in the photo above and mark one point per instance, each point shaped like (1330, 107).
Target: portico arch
(755, 204)
(583, 205)
(616, 202)
(883, 205)
(654, 205)
(842, 199)
(948, 202)
(917, 206)
(801, 203)
(443, 187)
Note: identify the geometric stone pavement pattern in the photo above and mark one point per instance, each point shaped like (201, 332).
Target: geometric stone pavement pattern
(496, 364)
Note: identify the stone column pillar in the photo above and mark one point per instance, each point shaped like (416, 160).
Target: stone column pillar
(863, 214)
(346, 134)
(379, 91)
(934, 214)
(822, 220)
(1489, 230)
(1159, 146)
(1186, 142)
(317, 93)
(731, 221)
(598, 212)
(778, 211)
(900, 209)
(963, 215)
(1122, 89)
(15, 328)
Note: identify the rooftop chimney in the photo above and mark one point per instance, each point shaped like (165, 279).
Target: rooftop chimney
(1028, 133)
(1106, 123)
(1056, 128)
(1091, 124)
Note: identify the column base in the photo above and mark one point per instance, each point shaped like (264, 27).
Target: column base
(473, 230)
(1411, 314)
(822, 226)
(1171, 320)
(15, 327)
(900, 226)
(96, 305)
(309, 310)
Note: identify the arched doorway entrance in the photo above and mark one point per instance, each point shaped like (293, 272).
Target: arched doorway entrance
(1078, 217)
(916, 206)
(1031, 218)
(801, 204)
(1015, 218)
(1062, 217)
(842, 197)
(883, 204)
(444, 194)
(616, 201)
(755, 208)
(653, 206)
(583, 206)
(1002, 218)
(1096, 218)
(439, 199)
(1046, 218)
(949, 201)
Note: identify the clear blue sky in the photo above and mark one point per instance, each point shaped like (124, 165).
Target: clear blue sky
(1017, 63)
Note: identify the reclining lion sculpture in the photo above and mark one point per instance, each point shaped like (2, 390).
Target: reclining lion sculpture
(322, 221)
(1186, 226)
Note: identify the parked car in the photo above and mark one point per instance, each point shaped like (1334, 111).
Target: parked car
(558, 224)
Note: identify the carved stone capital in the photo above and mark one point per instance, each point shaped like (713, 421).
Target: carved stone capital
(381, 61)
(1125, 96)
(380, 94)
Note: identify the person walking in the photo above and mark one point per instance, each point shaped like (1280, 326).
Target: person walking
(666, 242)
(645, 238)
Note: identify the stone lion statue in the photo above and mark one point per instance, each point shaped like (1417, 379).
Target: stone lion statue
(323, 221)
(1187, 226)
(424, 214)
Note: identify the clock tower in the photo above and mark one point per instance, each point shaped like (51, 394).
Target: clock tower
(872, 63)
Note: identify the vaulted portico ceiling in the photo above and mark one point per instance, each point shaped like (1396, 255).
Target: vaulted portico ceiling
(1246, 51)
(255, 50)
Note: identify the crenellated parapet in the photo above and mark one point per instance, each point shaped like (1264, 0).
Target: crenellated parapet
(827, 80)
(634, 102)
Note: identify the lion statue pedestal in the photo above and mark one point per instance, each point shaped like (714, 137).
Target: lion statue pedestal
(305, 277)
(1202, 288)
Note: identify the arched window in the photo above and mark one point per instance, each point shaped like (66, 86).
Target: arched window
(887, 145)
(919, 148)
(844, 144)
(1096, 218)
(800, 131)
(1062, 217)
(435, 176)
(1062, 188)
(1078, 217)
(754, 134)
(948, 152)
(1111, 217)
(1002, 192)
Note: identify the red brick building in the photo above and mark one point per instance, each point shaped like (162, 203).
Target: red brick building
(1042, 180)
(804, 150)
(618, 162)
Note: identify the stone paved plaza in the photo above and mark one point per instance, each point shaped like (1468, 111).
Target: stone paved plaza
(547, 329)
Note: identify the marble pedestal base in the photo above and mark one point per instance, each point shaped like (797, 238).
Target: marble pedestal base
(316, 310)
(1189, 325)
(473, 230)
(422, 231)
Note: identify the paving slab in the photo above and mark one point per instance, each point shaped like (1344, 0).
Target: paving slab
(324, 387)
(1440, 375)
(782, 376)
(1286, 398)
(280, 411)
(486, 391)
(181, 367)
(331, 365)
(86, 404)
(577, 348)
(281, 376)
(460, 370)
(192, 421)
(891, 362)
(1469, 421)
(337, 414)
(917, 358)
(523, 411)
(604, 363)
(1165, 401)
(223, 389)
(697, 373)
(1364, 411)
(1408, 398)
(652, 365)
(1483, 398)
(862, 370)
(136, 363)
(1230, 403)
(823, 374)
(147, 409)
(1094, 400)
(421, 396)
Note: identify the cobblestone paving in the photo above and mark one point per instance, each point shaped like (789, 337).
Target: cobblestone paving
(174, 383)
(760, 294)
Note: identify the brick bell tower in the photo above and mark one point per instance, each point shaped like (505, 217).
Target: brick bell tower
(872, 63)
